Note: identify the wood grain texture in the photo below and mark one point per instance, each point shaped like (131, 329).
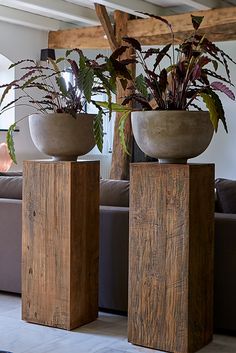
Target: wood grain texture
(171, 256)
(82, 37)
(106, 24)
(219, 24)
(60, 243)
(120, 159)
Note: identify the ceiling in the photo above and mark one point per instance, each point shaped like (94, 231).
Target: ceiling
(59, 14)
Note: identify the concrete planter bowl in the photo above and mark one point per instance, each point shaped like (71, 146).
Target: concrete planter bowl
(61, 136)
(172, 136)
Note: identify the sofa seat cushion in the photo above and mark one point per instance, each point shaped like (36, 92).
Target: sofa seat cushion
(10, 186)
(114, 192)
(226, 195)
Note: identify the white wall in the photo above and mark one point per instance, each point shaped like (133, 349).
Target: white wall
(223, 146)
(18, 42)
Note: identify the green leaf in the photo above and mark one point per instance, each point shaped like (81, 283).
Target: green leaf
(30, 81)
(98, 130)
(88, 83)
(10, 143)
(115, 107)
(6, 90)
(141, 85)
(215, 108)
(59, 60)
(62, 85)
(55, 66)
(82, 61)
(21, 61)
(121, 130)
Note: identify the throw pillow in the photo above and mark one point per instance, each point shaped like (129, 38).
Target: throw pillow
(226, 195)
(114, 192)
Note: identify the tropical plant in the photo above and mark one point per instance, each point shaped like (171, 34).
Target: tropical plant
(45, 89)
(189, 76)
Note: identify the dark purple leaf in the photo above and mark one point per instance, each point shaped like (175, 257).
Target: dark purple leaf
(128, 61)
(161, 55)
(119, 51)
(120, 69)
(138, 98)
(133, 42)
(74, 67)
(151, 51)
(221, 87)
(196, 73)
(100, 56)
(203, 60)
(215, 75)
(163, 80)
(196, 21)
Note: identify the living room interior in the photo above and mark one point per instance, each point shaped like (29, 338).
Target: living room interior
(89, 293)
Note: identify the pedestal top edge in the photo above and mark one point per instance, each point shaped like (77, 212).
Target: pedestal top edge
(170, 165)
(49, 161)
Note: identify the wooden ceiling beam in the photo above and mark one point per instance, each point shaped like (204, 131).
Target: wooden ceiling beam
(106, 24)
(219, 24)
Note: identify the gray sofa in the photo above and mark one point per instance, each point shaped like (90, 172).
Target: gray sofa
(114, 225)
(113, 275)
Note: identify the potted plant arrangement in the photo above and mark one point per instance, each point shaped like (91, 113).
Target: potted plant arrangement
(60, 127)
(170, 125)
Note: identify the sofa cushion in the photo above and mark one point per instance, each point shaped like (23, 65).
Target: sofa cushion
(226, 195)
(11, 187)
(11, 173)
(114, 192)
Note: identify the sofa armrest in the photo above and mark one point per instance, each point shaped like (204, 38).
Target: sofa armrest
(10, 245)
(225, 269)
(113, 258)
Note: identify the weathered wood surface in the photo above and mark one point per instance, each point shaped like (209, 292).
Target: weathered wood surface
(219, 24)
(171, 256)
(60, 243)
(120, 159)
(107, 26)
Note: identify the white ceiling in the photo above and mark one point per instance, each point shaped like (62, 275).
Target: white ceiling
(57, 14)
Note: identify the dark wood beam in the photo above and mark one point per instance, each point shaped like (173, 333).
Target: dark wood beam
(106, 24)
(121, 160)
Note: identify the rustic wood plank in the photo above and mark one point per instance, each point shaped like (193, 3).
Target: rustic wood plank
(106, 24)
(219, 24)
(120, 159)
(60, 243)
(83, 37)
(171, 256)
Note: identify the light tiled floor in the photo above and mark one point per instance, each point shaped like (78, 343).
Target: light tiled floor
(105, 335)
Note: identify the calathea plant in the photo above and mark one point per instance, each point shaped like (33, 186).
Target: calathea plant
(45, 89)
(189, 76)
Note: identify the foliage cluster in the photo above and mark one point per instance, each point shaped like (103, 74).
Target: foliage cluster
(45, 89)
(175, 78)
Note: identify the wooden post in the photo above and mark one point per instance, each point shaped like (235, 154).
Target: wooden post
(171, 256)
(121, 160)
(60, 243)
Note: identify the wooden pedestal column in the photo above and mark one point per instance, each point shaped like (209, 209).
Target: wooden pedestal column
(60, 243)
(171, 256)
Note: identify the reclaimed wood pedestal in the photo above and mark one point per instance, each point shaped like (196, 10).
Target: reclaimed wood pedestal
(60, 243)
(171, 256)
